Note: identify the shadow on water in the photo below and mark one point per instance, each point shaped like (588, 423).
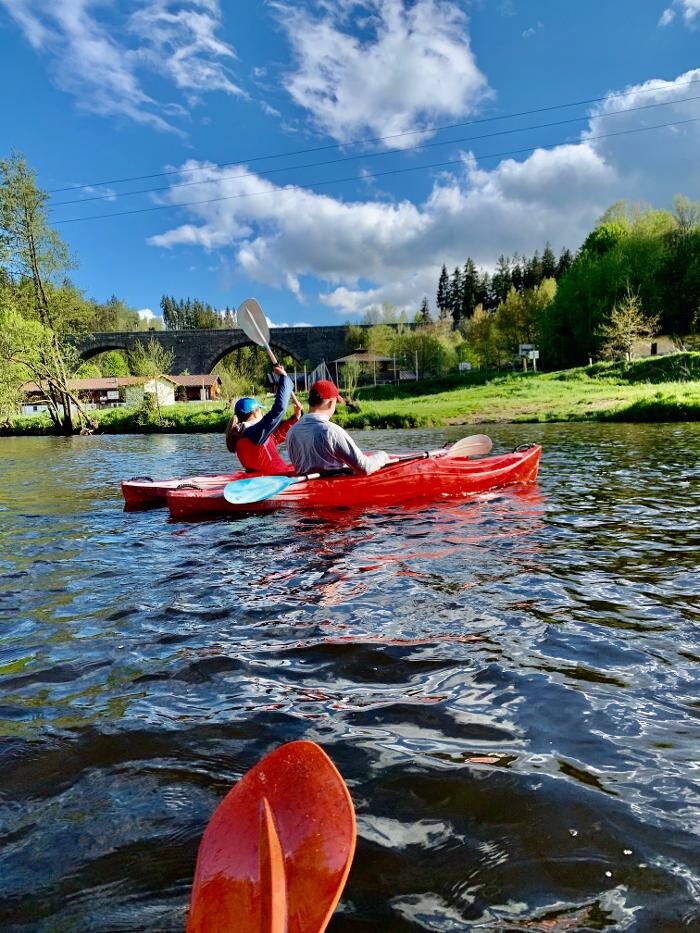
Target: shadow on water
(509, 685)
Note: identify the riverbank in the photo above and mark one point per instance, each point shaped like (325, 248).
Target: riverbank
(648, 390)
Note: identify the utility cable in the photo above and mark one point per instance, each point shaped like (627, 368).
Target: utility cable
(369, 155)
(335, 181)
(377, 139)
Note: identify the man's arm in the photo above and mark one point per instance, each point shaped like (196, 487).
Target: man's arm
(345, 449)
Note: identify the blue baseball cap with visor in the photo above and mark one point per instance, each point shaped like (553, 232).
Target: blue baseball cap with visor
(246, 405)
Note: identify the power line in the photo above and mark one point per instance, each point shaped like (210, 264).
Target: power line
(371, 155)
(334, 181)
(374, 139)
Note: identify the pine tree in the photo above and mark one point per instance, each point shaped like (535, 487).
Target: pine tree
(564, 263)
(533, 271)
(470, 284)
(549, 263)
(167, 309)
(443, 294)
(502, 281)
(517, 274)
(424, 316)
(484, 295)
(454, 296)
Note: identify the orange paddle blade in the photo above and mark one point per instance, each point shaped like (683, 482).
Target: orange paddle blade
(277, 851)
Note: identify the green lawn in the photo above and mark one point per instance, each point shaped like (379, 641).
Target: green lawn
(654, 389)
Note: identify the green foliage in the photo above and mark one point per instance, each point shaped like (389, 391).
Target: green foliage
(115, 315)
(655, 254)
(355, 338)
(113, 363)
(88, 370)
(628, 323)
(657, 388)
(193, 314)
(151, 359)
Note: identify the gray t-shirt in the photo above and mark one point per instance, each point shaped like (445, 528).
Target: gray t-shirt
(315, 444)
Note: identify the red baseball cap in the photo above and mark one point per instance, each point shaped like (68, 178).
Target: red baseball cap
(325, 389)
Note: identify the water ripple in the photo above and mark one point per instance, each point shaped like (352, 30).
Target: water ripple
(509, 685)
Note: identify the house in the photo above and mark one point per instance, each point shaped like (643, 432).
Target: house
(374, 368)
(103, 392)
(197, 388)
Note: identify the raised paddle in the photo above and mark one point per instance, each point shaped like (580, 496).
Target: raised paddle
(252, 321)
(276, 854)
(259, 488)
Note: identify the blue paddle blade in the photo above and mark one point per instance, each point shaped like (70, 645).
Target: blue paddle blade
(255, 489)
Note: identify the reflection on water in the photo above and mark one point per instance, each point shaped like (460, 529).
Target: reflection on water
(509, 685)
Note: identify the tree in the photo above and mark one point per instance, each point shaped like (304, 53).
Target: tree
(151, 361)
(443, 294)
(469, 288)
(481, 337)
(39, 312)
(502, 280)
(454, 296)
(517, 274)
(425, 348)
(114, 315)
(628, 323)
(564, 263)
(423, 315)
(549, 263)
(114, 363)
(686, 213)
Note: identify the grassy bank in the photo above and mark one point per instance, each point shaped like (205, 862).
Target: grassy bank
(654, 389)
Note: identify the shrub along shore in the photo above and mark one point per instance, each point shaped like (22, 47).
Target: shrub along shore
(652, 389)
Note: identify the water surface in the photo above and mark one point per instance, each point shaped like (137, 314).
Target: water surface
(510, 685)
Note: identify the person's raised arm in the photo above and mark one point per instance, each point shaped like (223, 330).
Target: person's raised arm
(260, 431)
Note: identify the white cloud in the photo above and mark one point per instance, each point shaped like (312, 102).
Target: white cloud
(179, 39)
(99, 61)
(147, 315)
(690, 10)
(414, 67)
(533, 30)
(368, 251)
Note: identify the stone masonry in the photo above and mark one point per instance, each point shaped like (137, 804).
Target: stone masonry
(198, 351)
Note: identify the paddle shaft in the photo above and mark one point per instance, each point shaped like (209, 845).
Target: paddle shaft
(273, 358)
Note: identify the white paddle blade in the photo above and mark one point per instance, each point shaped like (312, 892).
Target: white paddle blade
(255, 489)
(476, 445)
(252, 321)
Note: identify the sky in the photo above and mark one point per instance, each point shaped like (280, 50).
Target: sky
(326, 156)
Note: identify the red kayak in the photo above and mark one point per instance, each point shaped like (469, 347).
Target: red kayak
(416, 480)
(142, 492)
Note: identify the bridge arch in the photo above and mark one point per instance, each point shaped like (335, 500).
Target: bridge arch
(90, 352)
(277, 348)
(198, 351)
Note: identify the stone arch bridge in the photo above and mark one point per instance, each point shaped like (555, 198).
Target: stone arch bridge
(198, 351)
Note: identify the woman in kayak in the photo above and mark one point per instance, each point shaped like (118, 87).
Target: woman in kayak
(254, 437)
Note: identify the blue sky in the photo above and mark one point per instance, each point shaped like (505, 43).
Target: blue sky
(101, 90)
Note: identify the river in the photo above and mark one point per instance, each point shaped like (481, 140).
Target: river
(509, 685)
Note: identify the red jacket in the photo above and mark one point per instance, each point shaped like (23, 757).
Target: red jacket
(261, 458)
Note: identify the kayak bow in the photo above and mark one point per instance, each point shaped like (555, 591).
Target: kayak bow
(276, 854)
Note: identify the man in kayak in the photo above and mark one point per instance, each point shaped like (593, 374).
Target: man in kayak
(315, 444)
(254, 437)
